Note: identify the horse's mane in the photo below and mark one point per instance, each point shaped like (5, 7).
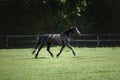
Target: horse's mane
(68, 30)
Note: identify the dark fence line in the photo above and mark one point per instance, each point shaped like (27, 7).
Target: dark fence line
(21, 41)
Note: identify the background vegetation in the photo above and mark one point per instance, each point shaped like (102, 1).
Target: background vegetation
(53, 16)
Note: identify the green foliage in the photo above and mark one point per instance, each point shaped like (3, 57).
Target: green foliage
(36, 16)
(103, 14)
(89, 64)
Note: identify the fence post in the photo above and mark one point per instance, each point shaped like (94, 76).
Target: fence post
(98, 42)
(7, 45)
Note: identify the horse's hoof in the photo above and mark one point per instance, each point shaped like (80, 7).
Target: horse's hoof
(57, 56)
(52, 56)
(33, 52)
(35, 57)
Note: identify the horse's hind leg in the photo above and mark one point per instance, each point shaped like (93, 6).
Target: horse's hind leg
(35, 48)
(48, 49)
(68, 45)
(60, 50)
(40, 47)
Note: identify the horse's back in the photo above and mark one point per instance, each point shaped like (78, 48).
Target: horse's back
(54, 39)
(59, 39)
(50, 38)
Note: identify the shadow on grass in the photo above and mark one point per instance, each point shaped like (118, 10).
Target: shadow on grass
(30, 58)
(79, 57)
(41, 58)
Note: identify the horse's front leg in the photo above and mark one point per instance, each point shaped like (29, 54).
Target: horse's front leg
(69, 46)
(48, 49)
(40, 47)
(35, 48)
(63, 46)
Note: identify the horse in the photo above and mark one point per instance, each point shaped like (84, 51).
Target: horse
(62, 39)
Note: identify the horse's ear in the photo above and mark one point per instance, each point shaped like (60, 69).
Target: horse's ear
(71, 27)
(74, 27)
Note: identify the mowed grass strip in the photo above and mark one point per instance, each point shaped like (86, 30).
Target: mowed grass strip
(89, 64)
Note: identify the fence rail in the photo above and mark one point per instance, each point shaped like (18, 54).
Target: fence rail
(13, 41)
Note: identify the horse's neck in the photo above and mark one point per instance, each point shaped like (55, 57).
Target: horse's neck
(67, 33)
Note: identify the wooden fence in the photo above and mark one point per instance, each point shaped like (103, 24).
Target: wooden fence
(21, 41)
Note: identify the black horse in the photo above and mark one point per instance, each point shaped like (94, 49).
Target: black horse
(59, 39)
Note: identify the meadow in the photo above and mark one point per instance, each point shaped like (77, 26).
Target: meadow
(101, 63)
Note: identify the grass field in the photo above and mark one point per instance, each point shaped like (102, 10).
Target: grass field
(89, 64)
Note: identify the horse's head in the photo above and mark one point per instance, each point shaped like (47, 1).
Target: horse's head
(75, 31)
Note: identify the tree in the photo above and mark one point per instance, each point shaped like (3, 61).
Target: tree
(54, 16)
(103, 14)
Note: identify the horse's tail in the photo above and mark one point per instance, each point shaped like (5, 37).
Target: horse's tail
(38, 43)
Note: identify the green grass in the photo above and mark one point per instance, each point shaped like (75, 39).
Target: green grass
(89, 64)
